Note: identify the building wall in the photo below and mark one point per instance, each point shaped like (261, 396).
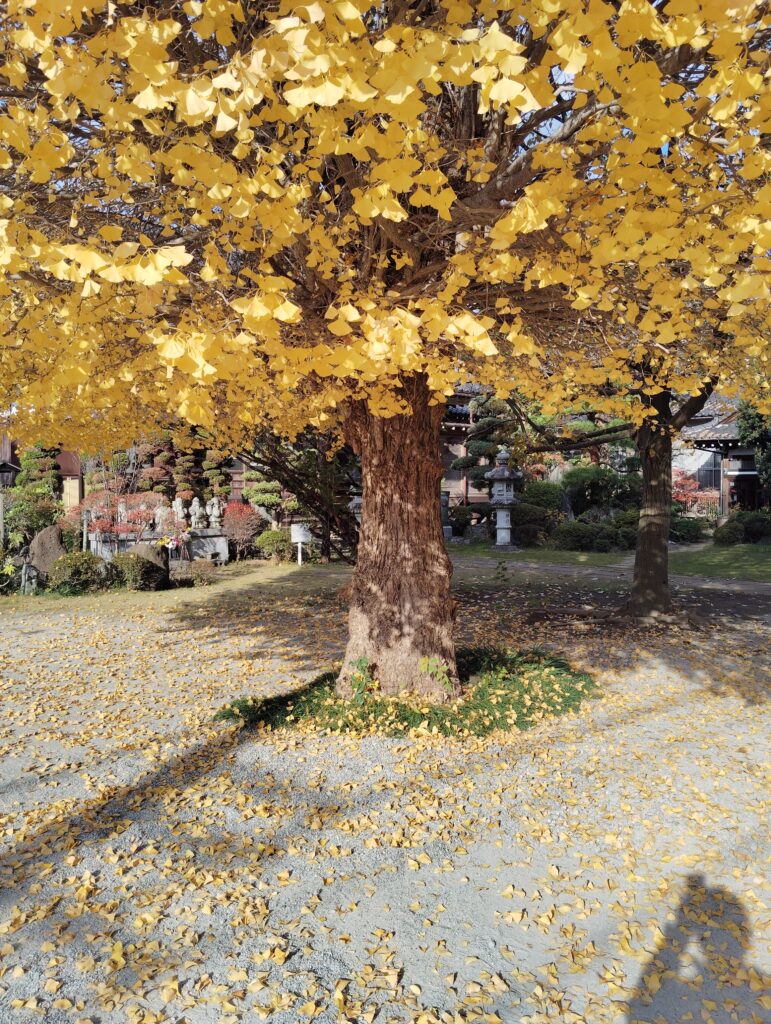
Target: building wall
(453, 446)
(72, 491)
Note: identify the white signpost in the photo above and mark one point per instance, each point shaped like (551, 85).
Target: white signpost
(300, 535)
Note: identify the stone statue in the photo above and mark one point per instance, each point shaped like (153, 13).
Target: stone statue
(178, 507)
(197, 515)
(162, 516)
(214, 512)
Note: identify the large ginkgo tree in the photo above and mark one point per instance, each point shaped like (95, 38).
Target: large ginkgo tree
(333, 213)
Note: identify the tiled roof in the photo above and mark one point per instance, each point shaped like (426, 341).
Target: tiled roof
(725, 431)
(717, 421)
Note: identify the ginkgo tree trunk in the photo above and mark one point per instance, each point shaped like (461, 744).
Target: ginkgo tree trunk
(401, 613)
(650, 593)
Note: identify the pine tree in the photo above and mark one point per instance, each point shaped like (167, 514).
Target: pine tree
(40, 468)
(216, 480)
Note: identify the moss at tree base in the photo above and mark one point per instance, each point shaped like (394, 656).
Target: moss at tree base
(501, 691)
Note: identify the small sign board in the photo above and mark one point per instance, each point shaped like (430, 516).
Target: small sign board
(300, 534)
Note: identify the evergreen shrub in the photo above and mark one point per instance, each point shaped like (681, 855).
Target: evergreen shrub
(731, 532)
(529, 524)
(137, 573)
(544, 494)
(78, 572)
(275, 544)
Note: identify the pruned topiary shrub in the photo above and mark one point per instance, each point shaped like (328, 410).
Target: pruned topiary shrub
(731, 532)
(274, 544)
(529, 524)
(545, 494)
(574, 536)
(630, 517)
(607, 538)
(687, 529)
(594, 487)
(756, 525)
(614, 533)
(78, 572)
(460, 519)
(137, 573)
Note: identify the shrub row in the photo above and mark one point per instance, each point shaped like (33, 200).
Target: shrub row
(578, 536)
(81, 572)
(744, 528)
(78, 572)
(136, 573)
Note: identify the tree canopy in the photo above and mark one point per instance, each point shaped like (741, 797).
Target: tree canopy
(243, 213)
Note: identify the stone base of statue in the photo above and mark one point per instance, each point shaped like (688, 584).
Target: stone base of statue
(208, 544)
(203, 544)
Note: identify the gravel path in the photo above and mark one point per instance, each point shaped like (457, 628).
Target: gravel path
(158, 867)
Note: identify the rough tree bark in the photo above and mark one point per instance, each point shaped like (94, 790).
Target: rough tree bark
(401, 613)
(650, 586)
(650, 592)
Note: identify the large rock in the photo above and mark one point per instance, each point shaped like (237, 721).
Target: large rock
(159, 556)
(45, 548)
(157, 553)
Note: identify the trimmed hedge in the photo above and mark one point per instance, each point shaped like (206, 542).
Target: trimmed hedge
(575, 536)
(137, 573)
(744, 527)
(603, 536)
(78, 572)
(543, 494)
(529, 523)
(756, 525)
(687, 530)
(731, 532)
(274, 544)
(460, 517)
(600, 487)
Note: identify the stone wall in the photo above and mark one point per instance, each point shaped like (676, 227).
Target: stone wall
(203, 544)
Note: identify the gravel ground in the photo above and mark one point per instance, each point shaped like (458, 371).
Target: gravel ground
(158, 867)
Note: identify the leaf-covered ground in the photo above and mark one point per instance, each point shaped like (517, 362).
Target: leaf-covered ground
(158, 866)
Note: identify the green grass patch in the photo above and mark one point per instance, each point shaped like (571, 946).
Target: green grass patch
(738, 562)
(551, 555)
(501, 690)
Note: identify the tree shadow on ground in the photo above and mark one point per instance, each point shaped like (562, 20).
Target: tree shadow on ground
(116, 804)
(116, 809)
(295, 618)
(301, 618)
(700, 973)
(724, 653)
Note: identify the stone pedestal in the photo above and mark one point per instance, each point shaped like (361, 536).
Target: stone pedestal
(502, 527)
(208, 544)
(204, 544)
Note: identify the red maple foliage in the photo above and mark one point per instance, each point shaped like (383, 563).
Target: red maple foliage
(240, 524)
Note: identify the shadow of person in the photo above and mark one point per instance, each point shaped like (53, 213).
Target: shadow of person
(699, 972)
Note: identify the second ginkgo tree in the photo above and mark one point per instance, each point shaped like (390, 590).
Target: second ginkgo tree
(334, 213)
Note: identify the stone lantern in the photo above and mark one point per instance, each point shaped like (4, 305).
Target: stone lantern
(505, 482)
(445, 507)
(355, 506)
